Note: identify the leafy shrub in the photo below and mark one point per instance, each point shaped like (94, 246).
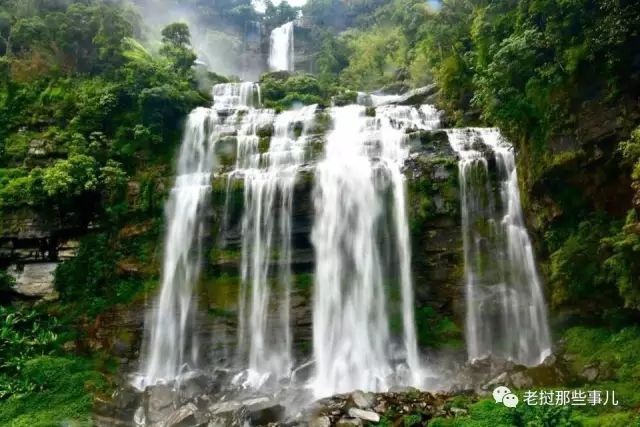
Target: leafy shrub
(64, 394)
(24, 334)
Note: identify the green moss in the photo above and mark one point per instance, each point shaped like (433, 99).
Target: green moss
(263, 144)
(436, 330)
(617, 350)
(345, 97)
(284, 91)
(17, 146)
(304, 280)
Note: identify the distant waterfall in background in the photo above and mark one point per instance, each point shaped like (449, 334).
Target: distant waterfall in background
(264, 332)
(362, 251)
(506, 312)
(281, 53)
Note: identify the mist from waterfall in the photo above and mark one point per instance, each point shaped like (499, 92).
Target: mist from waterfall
(264, 333)
(506, 312)
(281, 53)
(362, 248)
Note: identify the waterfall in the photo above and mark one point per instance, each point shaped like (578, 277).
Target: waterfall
(281, 54)
(269, 178)
(171, 347)
(506, 313)
(230, 96)
(362, 248)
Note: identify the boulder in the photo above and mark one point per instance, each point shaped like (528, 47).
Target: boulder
(227, 414)
(185, 416)
(590, 372)
(265, 412)
(349, 422)
(364, 415)
(193, 385)
(421, 95)
(159, 403)
(323, 421)
(502, 379)
(521, 380)
(362, 400)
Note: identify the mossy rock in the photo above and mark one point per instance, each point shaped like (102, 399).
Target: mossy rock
(265, 131)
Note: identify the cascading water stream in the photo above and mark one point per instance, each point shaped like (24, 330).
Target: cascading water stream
(170, 331)
(506, 312)
(363, 279)
(231, 96)
(269, 178)
(171, 346)
(281, 53)
(362, 248)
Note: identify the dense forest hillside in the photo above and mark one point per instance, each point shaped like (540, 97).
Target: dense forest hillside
(94, 96)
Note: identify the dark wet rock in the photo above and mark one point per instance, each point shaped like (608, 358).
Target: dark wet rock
(126, 398)
(265, 412)
(227, 414)
(422, 95)
(159, 403)
(196, 384)
(186, 416)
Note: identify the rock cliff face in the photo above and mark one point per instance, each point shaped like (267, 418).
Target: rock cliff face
(31, 246)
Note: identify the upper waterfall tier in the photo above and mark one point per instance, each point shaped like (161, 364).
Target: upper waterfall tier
(230, 96)
(281, 48)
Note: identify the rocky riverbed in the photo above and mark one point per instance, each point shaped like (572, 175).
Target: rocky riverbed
(217, 399)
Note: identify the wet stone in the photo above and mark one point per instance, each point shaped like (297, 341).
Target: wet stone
(349, 422)
(364, 415)
(362, 400)
(320, 422)
(265, 412)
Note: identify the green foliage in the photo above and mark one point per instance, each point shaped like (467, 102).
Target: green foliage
(176, 34)
(91, 278)
(71, 177)
(24, 334)
(6, 282)
(275, 16)
(176, 39)
(285, 91)
(436, 330)
(615, 350)
(377, 57)
(64, 393)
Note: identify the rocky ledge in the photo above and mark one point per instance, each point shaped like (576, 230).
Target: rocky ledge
(404, 406)
(162, 406)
